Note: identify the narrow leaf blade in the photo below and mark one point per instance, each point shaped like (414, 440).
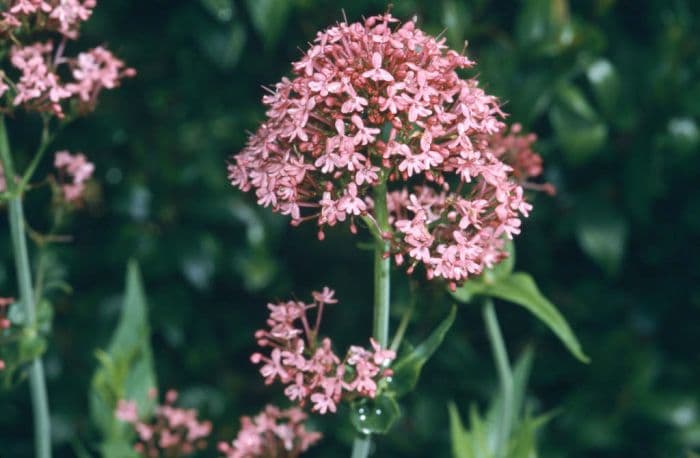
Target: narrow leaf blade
(407, 369)
(521, 289)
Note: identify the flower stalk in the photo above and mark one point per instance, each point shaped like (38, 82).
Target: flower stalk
(382, 293)
(505, 376)
(382, 264)
(37, 382)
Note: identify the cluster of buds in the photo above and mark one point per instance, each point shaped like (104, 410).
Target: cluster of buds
(271, 433)
(74, 171)
(171, 432)
(308, 365)
(380, 104)
(4, 321)
(34, 81)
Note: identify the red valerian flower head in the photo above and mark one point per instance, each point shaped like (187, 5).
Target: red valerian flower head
(377, 104)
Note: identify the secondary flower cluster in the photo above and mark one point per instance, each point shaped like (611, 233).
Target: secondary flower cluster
(4, 321)
(63, 16)
(37, 85)
(309, 368)
(74, 171)
(171, 432)
(379, 103)
(272, 433)
(2, 180)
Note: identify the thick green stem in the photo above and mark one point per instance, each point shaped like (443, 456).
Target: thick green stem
(382, 292)
(37, 382)
(382, 265)
(505, 375)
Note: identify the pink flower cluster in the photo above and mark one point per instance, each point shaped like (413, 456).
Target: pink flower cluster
(74, 170)
(309, 368)
(39, 88)
(380, 102)
(4, 321)
(272, 433)
(171, 432)
(3, 185)
(63, 16)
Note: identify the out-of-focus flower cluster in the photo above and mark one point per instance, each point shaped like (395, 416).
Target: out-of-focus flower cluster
(4, 321)
(74, 171)
(3, 185)
(171, 432)
(62, 16)
(381, 102)
(272, 433)
(34, 81)
(308, 365)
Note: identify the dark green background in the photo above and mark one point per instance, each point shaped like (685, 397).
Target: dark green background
(612, 89)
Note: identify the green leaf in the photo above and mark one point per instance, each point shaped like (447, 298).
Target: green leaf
(459, 436)
(521, 289)
(223, 45)
(126, 369)
(479, 433)
(602, 235)
(269, 18)
(374, 416)
(456, 18)
(222, 10)
(524, 441)
(408, 368)
(44, 317)
(606, 85)
(540, 26)
(578, 128)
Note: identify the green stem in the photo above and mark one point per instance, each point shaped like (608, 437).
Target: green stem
(382, 265)
(43, 145)
(361, 446)
(37, 382)
(505, 376)
(382, 289)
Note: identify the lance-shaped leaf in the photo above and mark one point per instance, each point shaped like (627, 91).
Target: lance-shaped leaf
(408, 368)
(521, 289)
(126, 369)
(459, 436)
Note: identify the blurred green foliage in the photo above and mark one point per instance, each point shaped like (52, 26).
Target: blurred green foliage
(611, 87)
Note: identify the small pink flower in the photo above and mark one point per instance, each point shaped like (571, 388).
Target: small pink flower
(326, 295)
(377, 73)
